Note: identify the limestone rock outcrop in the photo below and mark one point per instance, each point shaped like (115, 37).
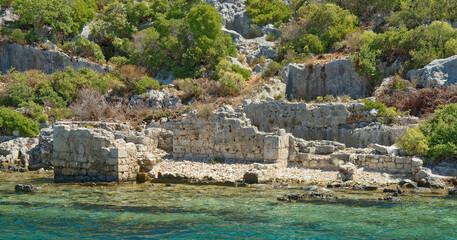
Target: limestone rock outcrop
(24, 58)
(440, 72)
(335, 78)
(348, 123)
(234, 15)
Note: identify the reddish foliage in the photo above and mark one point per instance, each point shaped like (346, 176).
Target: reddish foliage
(420, 102)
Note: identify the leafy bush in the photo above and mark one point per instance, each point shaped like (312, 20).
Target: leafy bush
(273, 69)
(263, 12)
(85, 48)
(416, 47)
(242, 71)
(436, 136)
(388, 113)
(413, 142)
(16, 93)
(229, 83)
(34, 111)
(191, 88)
(65, 17)
(367, 8)
(316, 28)
(413, 13)
(18, 36)
(182, 44)
(144, 84)
(11, 120)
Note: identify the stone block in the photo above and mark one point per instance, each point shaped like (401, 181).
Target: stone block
(324, 149)
(118, 153)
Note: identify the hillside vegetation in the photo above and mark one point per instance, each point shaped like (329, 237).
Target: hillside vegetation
(143, 39)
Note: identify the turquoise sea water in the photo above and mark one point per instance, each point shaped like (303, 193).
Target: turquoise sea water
(141, 211)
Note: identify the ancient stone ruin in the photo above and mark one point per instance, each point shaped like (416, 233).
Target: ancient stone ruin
(270, 134)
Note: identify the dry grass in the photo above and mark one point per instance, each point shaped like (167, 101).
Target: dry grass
(91, 105)
(205, 110)
(131, 73)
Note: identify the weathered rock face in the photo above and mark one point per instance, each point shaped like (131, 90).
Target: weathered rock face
(234, 15)
(15, 152)
(158, 99)
(24, 58)
(440, 72)
(346, 123)
(42, 155)
(335, 78)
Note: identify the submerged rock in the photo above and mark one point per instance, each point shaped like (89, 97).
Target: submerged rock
(308, 196)
(26, 188)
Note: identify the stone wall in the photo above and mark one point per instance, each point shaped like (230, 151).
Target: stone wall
(330, 155)
(230, 135)
(335, 78)
(24, 58)
(82, 154)
(346, 123)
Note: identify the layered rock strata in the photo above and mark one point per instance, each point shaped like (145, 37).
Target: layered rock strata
(24, 58)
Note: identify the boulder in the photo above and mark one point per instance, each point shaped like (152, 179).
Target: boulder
(440, 72)
(334, 78)
(234, 15)
(346, 172)
(452, 192)
(7, 15)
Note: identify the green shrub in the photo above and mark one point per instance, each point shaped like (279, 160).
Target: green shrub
(16, 93)
(45, 94)
(417, 47)
(367, 8)
(85, 48)
(11, 120)
(34, 111)
(65, 17)
(435, 137)
(366, 63)
(144, 84)
(263, 12)
(182, 40)
(413, 13)
(271, 37)
(118, 61)
(273, 69)
(389, 114)
(18, 36)
(316, 28)
(229, 83)
(191, 88)
(440, 132)
(413, 142)
(242, 71)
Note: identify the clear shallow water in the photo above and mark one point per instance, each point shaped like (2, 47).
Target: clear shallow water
(136, 211)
